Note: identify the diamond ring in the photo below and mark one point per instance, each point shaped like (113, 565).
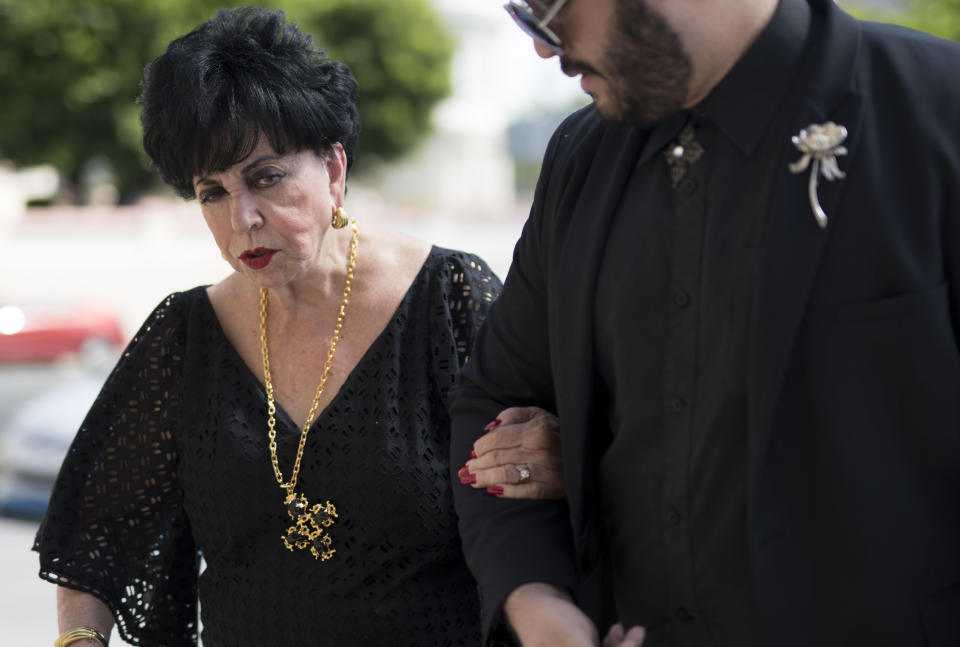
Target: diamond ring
(524, 472)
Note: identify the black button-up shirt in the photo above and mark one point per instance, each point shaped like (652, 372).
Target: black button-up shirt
(672, 305)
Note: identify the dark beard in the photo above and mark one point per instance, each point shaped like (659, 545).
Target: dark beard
(647, 69)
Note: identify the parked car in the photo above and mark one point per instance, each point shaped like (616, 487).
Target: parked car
(35, 439)
(46, 332)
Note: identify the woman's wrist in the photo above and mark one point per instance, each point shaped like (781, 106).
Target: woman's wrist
(80, 636)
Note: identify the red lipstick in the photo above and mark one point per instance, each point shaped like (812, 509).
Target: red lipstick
(257, 259)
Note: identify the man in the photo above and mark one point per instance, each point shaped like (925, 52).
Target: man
(739, 288)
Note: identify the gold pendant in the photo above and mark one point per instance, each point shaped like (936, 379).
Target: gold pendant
(310, 526)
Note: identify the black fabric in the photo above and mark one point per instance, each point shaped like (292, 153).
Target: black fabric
(173, 459)
(673, 480)
(852, 360)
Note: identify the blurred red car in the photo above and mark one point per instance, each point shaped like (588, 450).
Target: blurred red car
(42, 333)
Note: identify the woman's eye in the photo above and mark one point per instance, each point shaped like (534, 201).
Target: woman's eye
(267, 179)
(209, 195)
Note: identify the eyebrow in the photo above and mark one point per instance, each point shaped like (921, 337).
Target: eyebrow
(251, 165)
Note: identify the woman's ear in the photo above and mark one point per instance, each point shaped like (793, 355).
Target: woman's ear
(336, 159)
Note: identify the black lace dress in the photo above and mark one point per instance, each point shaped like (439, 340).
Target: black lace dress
(172, 462)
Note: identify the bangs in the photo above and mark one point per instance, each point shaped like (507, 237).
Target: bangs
(234, 129)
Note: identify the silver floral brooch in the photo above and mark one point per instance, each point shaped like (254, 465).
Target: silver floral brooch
(820, 145)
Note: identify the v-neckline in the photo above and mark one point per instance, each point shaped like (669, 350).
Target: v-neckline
(378, 340)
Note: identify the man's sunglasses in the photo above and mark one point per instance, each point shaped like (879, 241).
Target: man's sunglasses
(533, 18)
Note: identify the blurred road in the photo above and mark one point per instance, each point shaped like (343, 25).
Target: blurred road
(19, 381)
(28, 615)
(27, 604)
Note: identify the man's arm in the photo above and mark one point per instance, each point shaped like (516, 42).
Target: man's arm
(509, 543)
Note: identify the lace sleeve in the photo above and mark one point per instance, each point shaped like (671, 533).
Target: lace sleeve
(468, 287)
(115, 527)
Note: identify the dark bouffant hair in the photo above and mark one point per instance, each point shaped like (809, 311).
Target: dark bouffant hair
(246, 73)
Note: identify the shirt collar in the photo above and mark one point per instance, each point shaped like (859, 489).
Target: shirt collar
(745, 101)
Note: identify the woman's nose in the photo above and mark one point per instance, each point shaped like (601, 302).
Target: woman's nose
(245, 215)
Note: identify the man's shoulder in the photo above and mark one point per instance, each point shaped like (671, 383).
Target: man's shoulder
(909, 75)
(912, 54)
(580, 123)
(582, 131)
(894, 36)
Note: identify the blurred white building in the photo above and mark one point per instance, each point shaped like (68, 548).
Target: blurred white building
(465, 167)
(18, 186)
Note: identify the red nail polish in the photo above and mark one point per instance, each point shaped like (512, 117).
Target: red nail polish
(495, 489)
(469, 479)
(463, 472)
(473, 454)
(493, 424)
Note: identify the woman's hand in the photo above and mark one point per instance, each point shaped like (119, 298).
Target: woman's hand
(518, 457)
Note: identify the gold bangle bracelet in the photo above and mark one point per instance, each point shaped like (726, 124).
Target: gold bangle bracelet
(79, 633)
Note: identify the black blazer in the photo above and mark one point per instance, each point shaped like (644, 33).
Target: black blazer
(854, 368)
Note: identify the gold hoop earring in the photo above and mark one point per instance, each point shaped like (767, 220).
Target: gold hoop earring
(339, 218)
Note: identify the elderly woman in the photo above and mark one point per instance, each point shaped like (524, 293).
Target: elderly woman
(289, 423)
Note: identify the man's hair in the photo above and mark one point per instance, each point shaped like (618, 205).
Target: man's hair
(247, 73)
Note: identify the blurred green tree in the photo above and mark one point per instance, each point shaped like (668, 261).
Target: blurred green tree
(938, 17)
(69, 74)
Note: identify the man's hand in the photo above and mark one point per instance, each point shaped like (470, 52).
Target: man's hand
(544, 615)
(616, 637)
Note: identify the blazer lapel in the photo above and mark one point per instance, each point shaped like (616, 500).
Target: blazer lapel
(795, 243)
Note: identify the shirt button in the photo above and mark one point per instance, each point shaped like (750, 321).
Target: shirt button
(689, 185)
(677, 405)
(674, 517)
(681, 298)
(683, 615)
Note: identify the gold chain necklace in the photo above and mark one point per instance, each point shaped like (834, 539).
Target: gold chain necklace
(309, 529)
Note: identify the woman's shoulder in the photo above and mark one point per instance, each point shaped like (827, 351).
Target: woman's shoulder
(401, 254)
(458, 268)
(460, 260)
(170, 317)
(387, 255)
(178, 305)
